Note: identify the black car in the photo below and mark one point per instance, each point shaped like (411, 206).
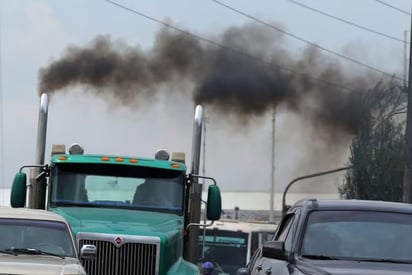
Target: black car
(322, 237)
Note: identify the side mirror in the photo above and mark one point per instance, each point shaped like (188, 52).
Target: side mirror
(275, 250)
(214, 203)
(18, 190)
(88, 251)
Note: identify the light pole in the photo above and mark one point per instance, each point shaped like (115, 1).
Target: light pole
(306, 177)
(407, 178)
(405, 57)
(272, 186)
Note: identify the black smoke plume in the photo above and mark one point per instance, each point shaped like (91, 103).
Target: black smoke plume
(250, 72)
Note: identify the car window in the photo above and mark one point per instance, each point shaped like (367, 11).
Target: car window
(254, 259)
(48, 236)
(291, 231)
(284, 227)
(358, 235)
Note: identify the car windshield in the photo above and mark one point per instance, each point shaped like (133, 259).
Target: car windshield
(27, 236)
(358, 235)
(117, 186)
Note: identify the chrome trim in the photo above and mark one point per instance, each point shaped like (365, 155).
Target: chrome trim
(133, 255)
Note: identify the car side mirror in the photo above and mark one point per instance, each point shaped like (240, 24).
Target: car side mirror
(275, 250)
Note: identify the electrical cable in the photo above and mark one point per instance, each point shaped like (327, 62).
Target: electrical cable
(393, 7)
(347, 22)
(235, 50)
(355, 61)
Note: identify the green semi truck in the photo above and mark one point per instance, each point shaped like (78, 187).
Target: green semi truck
(142, 214)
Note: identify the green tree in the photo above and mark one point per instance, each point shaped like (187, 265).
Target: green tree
(377, 151)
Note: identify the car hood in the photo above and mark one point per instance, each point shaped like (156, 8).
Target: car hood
(39, 265)
(121, 221)
(352, 268)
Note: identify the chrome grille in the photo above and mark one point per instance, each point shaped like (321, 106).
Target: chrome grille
(128, 259)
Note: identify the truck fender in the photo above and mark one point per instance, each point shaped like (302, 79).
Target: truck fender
(182, 267)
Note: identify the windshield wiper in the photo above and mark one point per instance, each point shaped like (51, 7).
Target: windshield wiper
(32, 251)
(395, 261)
(71, 203)
(319, 257)
(7, 251)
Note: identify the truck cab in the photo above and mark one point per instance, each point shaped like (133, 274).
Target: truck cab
(132, 209)
(142, 214)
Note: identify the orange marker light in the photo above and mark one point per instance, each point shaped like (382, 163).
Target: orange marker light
(119, 159)
(133, 160)
(63, 158)
(175, 165)
(105, 158)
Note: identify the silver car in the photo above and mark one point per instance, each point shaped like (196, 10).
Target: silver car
(38, 242)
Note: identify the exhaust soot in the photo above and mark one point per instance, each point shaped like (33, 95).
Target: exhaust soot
(238, 77)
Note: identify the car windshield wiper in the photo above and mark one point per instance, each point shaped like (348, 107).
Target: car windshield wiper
(383, 260)
(8, 252)
(32, 251)
(319, 257)
(72, 203)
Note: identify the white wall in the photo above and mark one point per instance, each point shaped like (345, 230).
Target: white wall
(261, 200)
(244, 200)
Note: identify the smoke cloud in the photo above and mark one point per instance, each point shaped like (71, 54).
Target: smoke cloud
(249, 74)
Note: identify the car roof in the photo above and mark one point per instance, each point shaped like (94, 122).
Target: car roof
(353, 204)
(33, 214)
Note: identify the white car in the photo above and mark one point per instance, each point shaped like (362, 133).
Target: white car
(38, 242)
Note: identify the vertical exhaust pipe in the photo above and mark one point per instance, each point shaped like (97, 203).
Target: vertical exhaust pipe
(194, 206)
(37, 188)
(197, 139)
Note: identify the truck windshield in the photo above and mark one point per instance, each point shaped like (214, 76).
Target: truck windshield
(227, 249)
(358, 235)
(117, 186)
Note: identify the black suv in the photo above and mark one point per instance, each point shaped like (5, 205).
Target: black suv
(322, 237)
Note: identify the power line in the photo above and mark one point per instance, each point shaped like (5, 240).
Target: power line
(217, 44)
(393, 7)
(307, 41)
(347, 21)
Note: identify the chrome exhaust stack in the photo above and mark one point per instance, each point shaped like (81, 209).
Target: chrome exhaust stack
(197, 139)
(194, 205)
(37, 187)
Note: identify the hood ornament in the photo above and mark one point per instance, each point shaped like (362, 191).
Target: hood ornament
(118, 241)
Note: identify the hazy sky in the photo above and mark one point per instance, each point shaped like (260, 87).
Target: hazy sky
(35, 33)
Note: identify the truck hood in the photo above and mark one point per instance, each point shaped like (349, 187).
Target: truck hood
(353, 268)
(39, 265)
(121, 221)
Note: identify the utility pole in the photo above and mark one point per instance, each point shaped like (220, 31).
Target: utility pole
(405, 57)
(407, 179)
(272, 186)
